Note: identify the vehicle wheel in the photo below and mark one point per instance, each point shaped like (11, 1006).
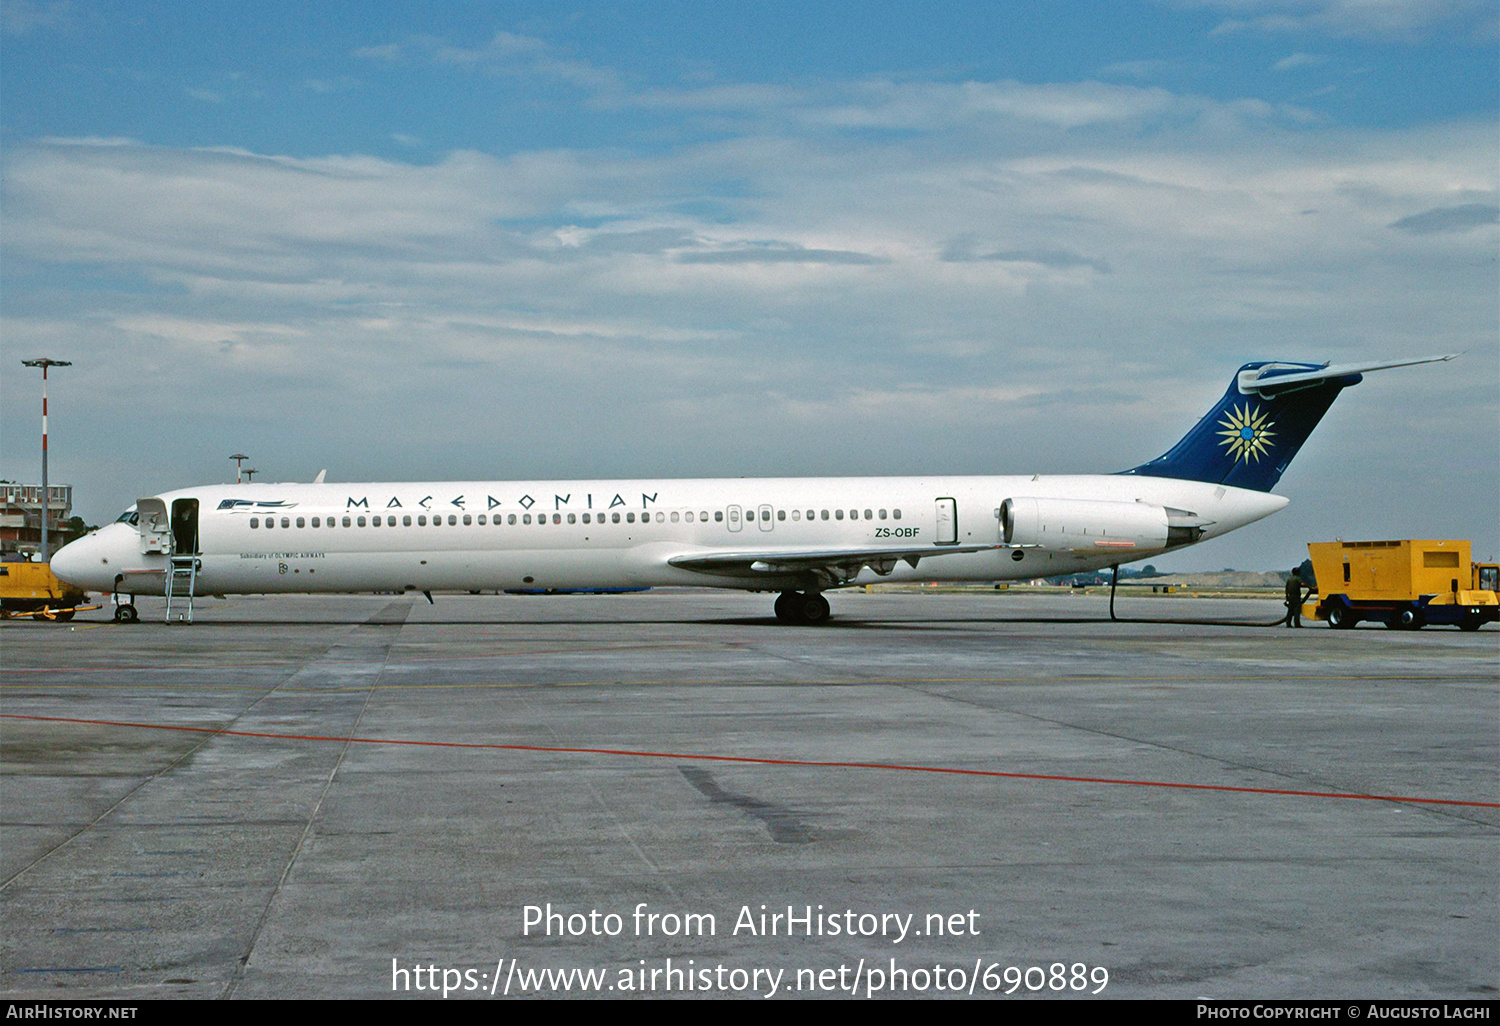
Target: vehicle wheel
(783, 606)
(812, 609)
(1470, 623)
(1409, 619)
(1340, 618)
(64, 615)
(125, 613)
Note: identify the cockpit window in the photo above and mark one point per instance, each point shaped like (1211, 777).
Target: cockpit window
(130, 516)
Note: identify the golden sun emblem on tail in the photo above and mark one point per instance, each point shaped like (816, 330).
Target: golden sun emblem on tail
(1247, 433)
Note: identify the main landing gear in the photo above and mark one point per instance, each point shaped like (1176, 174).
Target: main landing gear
(801, 607)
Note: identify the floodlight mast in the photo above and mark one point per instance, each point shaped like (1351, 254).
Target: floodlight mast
(44, 363)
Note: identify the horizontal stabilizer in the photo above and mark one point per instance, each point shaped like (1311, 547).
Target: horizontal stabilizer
(1275, 378)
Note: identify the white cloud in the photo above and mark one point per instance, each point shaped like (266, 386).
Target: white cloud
(19, 17)
(1407, 20)
(1293, 62)
(506, 53)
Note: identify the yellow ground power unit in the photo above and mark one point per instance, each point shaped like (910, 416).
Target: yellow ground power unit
(32, 590)
(1404, 584)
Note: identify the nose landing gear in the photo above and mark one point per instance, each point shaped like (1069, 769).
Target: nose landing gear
(125, 612)
(800, 607)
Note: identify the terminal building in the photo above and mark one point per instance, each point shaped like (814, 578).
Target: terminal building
(21, 519)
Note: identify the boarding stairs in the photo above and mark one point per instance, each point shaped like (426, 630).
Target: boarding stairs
(182, 584)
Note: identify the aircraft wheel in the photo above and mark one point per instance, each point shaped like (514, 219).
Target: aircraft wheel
(812, 609)
(783, 606)
(125, 613)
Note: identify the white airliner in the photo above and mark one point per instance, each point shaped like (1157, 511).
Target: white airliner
(796, 536)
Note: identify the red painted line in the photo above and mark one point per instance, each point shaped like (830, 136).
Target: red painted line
(755, 760)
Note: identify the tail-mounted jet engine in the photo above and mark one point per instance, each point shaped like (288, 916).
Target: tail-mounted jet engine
(1074, 525)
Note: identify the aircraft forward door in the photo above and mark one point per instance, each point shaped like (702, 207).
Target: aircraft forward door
(185, 527)
(152, 521)
(947, 521)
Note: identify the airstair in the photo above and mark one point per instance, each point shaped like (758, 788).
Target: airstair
(182, 583)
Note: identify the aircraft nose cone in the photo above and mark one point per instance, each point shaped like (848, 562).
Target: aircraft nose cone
(69, 561)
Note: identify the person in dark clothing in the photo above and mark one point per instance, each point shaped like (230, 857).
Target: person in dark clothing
(1294, 600)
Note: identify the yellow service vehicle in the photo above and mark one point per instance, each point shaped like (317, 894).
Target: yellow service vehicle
(31, 589)
(1403, 584)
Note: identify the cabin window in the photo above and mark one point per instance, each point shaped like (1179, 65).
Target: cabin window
(452, 520)
(556, 518)
(301, 522)
(255, 521)
(421, 520)
(360, 521)
(869, 514)
(688, 516)
(587, 519)
(781, 514)
(406, 521)
(718, 515)
(346, 521)
(838, 514)
(661, 518)
(572, 518)
(882, 514)
(468, 520)
(630, 518)
(525, 518)
(286, 522)
(895, 514)
(511, 519)
(374, 521)
(483, 520)
(675, 517)
(316, 522)
(614, 518)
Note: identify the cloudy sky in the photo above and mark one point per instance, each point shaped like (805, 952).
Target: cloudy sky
(518, 240)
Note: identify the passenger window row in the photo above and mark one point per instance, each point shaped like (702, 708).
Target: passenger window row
(468, 520)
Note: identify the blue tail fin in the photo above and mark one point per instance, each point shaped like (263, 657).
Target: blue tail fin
(1249, 438)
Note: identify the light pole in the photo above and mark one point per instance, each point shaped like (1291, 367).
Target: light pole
(250, 472)
(44, 363)
(239, 461)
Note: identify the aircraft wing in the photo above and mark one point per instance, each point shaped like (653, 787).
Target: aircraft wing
(843, 564)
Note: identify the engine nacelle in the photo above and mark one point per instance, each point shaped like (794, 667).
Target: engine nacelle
(1084, 525)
